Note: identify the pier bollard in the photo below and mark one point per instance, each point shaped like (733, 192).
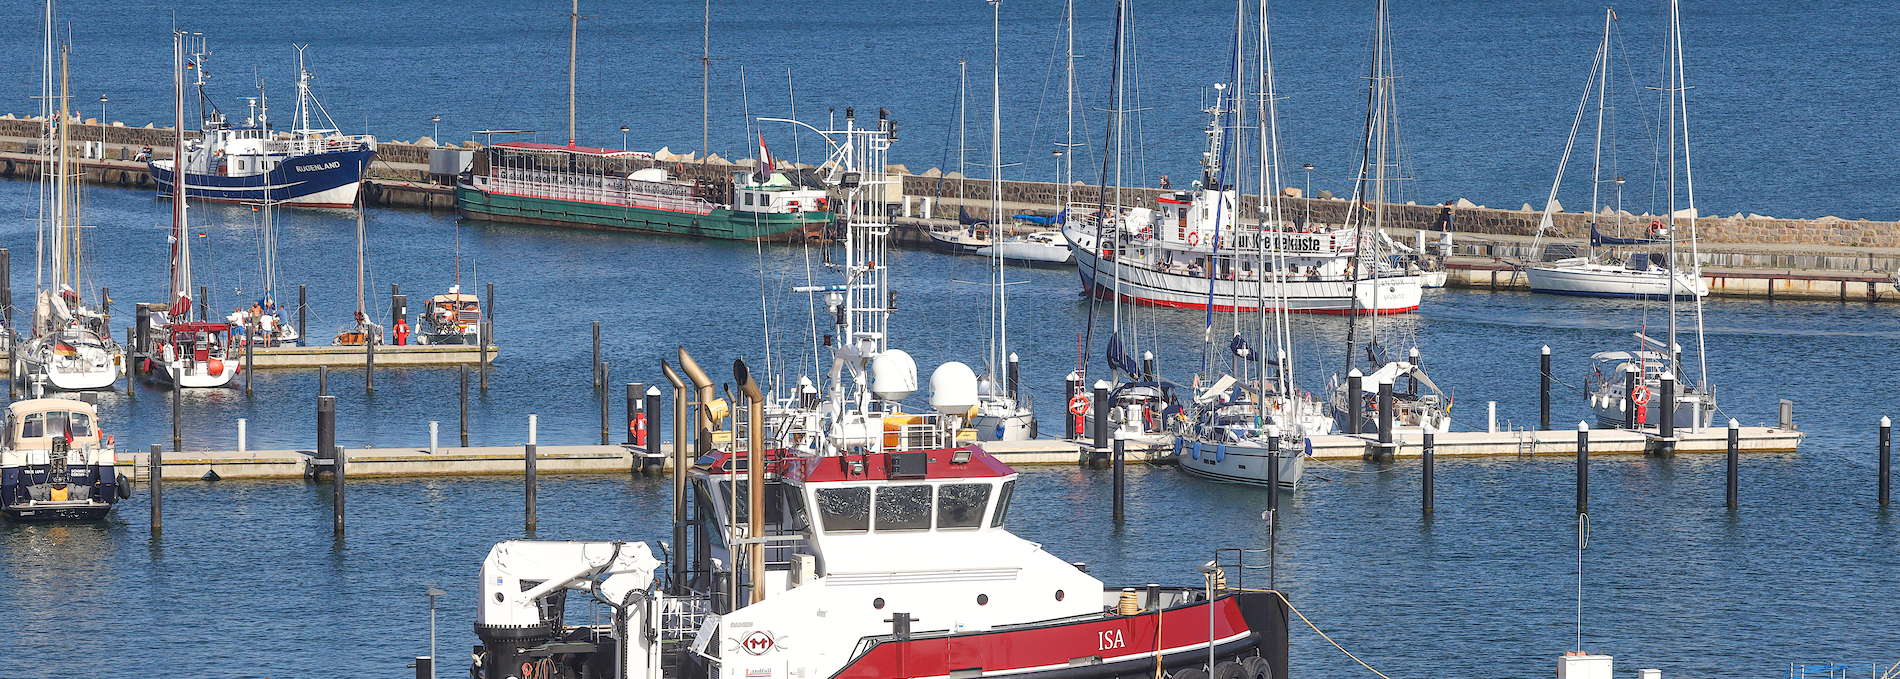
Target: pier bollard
(1015, 378)
(1148, 365)
(1273, 471)
(598, 384)
(303, 306)
(529, 473)
(1543, 391)
(1426, 488)
(1583, 467)
(1886, 459)
(1101, 421)
(1071, 387)
(1121, 453)
(1355, 400)
(1385, 421)
(1491, 416)
(155, 474)
(1666, 415)
(464, 405)
(204, 303)
(1734, 462)
(483, 364)
(337, 496)
(326, 425)
(1630, 406)
(369, 365)
(241, 435)
(434, 441)
(651, 418)
(600, 376)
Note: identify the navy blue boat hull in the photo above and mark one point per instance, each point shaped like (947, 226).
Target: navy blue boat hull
(318, 180)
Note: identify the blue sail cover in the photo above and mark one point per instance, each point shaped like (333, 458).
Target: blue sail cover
(1119, 359)
(1239, 348)
(1059, 218)
(1598, 239)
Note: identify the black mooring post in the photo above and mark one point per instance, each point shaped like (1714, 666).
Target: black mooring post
(303, 306)
(425, 667)
(1148, 365)
(529, 478)
(1355, 400)
(606, 397)
(1101, 418)
(155, 473)
(598, 384)
(369, 364)
(178, 415)
(1629, 399)
(323, 380)
(1121, 452)
(654, 418)
(1015, 379)
(464, 405)
(336, 507)
(1583, 467)
(141, 332)
(204, 303)
(326, 425)
(6, 286)
(1886, 459)
(1385, 420)
(1734, 462)
(1666, 415)
(1273, 472)
(1543, 392)
(1427, 489)
(482, 365)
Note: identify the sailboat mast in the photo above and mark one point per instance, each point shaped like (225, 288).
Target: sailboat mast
(360, 235)
(1067, 171)
(705, 84)
(1674, 90)
(963, 144)
(573, 50)
(1000, 345)
(1121, 62)
(1596, 166)
(62, 238)
(181, 274)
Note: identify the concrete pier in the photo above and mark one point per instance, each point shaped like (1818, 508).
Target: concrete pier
(386, 355)
(1712, 440)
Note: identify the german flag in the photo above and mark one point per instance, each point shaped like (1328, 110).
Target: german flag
(64, 349)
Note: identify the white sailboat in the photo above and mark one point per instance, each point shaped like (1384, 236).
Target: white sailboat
(186, 354)
(72, 347)
(1248, 422)
(1627, 387)
(1001, 413)
(362, 330)
(1602, 274)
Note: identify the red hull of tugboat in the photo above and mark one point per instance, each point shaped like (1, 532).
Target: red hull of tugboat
(1245, 625)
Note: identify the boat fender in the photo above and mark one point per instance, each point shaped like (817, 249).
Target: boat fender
(1220, 452)
(1197, 450)
(1257, 667)
(217, 367)
(1230, 670)
(124, 490)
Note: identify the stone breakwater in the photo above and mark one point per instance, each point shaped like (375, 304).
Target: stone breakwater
(409, 162)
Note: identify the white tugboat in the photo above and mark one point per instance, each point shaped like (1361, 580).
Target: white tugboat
(846, 538)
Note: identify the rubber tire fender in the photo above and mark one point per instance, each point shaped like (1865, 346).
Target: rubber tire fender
(1257, 667)
(1228, 669)
(1189, 673)
(125, 489)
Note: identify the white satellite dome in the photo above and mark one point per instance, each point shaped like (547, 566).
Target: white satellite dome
(953, 388)
(893, 375)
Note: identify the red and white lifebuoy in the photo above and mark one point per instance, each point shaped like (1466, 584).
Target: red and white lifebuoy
(1194, 239)
(1641, 395)
(637, 429)
(1079, 404)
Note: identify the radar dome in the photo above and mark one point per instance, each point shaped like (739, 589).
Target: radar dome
(893, 375)
(953, 388)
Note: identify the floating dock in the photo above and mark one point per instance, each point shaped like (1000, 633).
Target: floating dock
(386, 355)
(1558, 442)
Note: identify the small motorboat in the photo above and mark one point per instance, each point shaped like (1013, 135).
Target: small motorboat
(453, 318)
(193, 355)
(56, 464)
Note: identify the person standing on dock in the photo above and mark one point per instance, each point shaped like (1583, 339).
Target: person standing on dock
(1446, 215)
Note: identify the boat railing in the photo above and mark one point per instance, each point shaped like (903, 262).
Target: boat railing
(303, 146)
(681, 616)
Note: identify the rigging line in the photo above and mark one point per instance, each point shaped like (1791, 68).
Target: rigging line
(1322, 635)
(1101, 193)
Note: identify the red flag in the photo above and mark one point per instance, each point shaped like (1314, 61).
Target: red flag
(766, 166)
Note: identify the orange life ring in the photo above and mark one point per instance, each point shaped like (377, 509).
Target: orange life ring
(1079, 404)
(637, 429)
(1147, 232)
(1641, 395)
(1194, 239)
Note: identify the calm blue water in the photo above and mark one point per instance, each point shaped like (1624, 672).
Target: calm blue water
(1787, 114)
(248, 582)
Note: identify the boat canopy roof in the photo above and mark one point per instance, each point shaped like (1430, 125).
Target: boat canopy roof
(1650, 357)
(43, 405)
(453, 297)
(200, 326)
(567, 148)
(1392, 372)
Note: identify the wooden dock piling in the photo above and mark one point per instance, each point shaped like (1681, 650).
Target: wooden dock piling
(600, 376)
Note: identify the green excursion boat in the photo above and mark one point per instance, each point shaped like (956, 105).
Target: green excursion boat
(595, 188)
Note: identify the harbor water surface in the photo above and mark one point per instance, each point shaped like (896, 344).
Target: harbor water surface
(247, 580)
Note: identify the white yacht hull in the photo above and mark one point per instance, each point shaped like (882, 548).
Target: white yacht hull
(1611, 280)
(1240, 463)
(1016, 426)
(1033, 253)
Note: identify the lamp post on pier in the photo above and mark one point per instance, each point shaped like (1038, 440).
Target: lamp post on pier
(437, 120)
(1308, 196)
(104, 124)
(623, 137)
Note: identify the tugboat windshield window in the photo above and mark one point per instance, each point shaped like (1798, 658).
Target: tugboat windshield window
(845, 510)
(903, 507)
(35, 426)
(961, 505)
(1002, 503)
(82, 424)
